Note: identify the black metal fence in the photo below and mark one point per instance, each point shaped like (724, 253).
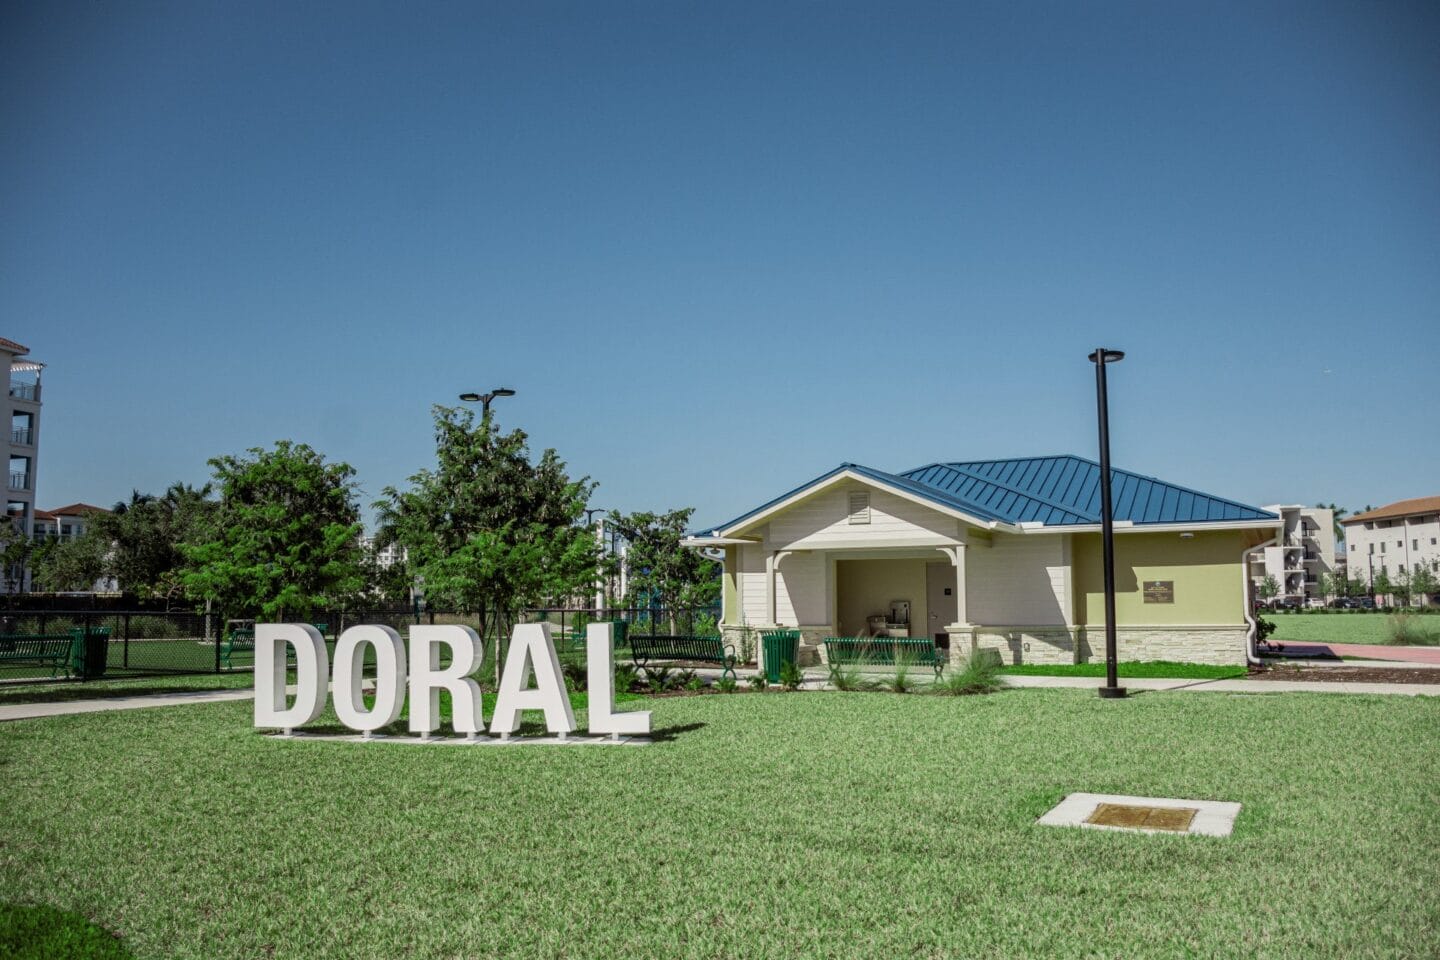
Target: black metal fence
(61, 644)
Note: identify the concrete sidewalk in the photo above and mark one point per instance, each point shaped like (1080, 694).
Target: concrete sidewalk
(60, 708)
(815, 679)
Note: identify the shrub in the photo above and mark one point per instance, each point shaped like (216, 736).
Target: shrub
(848, 678)
(576, 676)
(900, 681)
(1263, 628)
(791, 676)
(658, 678)
(1405, 628)
(726, 684)
(686, 679)
(627, 678)
(694, 684)
(978, 674)
(758, 682)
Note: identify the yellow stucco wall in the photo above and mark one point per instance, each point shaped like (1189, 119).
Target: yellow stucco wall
(865, 587)
(1206, 571)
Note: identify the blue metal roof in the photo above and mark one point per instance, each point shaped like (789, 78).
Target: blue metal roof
(1056, 491)
(1065, 490)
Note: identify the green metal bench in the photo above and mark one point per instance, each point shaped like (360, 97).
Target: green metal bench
(236, 641)
(243, 641)
(55, 649)
(643, 649)
(883, 651)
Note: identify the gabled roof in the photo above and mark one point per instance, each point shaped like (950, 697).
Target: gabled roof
(1400, 508)
(75, 510)
(1059, 491)
(10, 346)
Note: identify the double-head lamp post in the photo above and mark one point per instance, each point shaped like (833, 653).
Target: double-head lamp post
(1112, 689)
(485, 398)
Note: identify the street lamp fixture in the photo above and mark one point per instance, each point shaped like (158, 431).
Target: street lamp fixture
(485, 398)
(1112, 689)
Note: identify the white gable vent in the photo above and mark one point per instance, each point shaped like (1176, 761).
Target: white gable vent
(860, 506)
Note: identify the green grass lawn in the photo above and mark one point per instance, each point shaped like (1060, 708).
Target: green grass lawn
(1341, 627)
(762, 825)
(1141, 668)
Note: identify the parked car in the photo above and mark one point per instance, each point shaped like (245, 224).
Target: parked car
(1364, 603)
(1314, 602)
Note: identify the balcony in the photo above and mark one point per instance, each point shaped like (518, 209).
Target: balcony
(25, 391)
(23, 436)
(19, 481)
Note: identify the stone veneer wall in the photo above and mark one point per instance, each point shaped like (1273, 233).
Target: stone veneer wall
(1220, 645)
(811, 641)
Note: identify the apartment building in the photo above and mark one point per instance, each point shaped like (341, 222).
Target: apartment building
(22, 445)
(64, 523)
(1396, 538)
(1303, 551)
(386, 556)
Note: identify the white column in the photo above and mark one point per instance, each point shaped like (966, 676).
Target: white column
(957, 560)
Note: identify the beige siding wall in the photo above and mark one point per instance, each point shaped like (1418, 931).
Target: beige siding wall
(824, 520)
(752, 585)
(800, 590)
(1019, 580)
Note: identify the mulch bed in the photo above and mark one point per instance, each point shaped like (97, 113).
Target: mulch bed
(1344, 674)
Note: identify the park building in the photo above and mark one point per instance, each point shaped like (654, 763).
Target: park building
(22, 446)
(1395, 539)
(1000, 555)
(1301, 561)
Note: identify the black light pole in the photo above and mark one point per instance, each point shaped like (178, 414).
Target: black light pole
(1112, 689)
(485, 398)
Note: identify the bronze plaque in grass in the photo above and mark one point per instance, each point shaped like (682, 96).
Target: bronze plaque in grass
(1143, 818)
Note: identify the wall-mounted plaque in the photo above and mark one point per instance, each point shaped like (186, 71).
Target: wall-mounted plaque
(1159, 591)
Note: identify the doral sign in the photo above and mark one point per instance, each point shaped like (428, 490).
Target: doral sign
(531, 658)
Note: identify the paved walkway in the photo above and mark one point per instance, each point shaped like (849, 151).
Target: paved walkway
(815, 679)
(1367, 651)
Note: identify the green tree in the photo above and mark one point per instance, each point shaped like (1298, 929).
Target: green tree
(1269, 587)
(74, 564)
(1325, 583)
(146, 534)
(660, 568)
(1423, 582)
(1382, 586)
(490, 531)
(283, 542)
(1340, 513)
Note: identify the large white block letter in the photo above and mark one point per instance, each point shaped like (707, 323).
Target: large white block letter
(532, 648)
(312, 674)
(389, 677)
(600, 665)
(427, 678)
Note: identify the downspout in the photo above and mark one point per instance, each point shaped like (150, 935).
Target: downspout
(1251, 657)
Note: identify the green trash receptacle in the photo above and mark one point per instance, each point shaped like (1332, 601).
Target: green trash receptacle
(779, 647)
(89, 652)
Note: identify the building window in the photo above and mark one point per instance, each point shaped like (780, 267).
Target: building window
(1400, 543)
(1372, 549)
(1400, 567)
(1382, 546)
(1415, 544)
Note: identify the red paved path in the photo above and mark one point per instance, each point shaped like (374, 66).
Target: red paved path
(1375, 651)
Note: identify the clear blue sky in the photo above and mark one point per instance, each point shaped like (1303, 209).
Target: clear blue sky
(720, 248)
